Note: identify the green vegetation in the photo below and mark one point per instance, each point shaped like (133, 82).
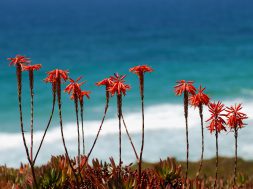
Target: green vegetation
(57, 174)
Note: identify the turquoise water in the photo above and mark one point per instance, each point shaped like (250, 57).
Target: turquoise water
(210, 42)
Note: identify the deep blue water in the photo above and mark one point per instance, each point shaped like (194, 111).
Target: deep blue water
(210, 42)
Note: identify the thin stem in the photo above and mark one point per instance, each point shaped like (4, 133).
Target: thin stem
(187, 135)
(78, 133)
(130, 139)
(19, 81)
(81, 106)
(61, 125)
(100, 127)
(235, 165)
(119, 103)
(141, 78)
(217, 159)
(202, 134)
(32, 111)
(48, 124)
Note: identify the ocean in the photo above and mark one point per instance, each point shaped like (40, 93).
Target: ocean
(207, 41)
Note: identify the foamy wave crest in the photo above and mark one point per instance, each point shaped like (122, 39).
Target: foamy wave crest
(164, 127)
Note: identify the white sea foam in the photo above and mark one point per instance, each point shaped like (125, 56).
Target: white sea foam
(164, 127)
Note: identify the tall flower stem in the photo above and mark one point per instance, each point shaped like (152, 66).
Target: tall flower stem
(217, 159)
(49, 121)
(186, 96)
(19, 81)
(78, 133)
(235, 166)
(81, 106)
(130, 139)
(202, 134)
(61, 125)
(31, 78)
(119, 103)
(100, 127)
(141, 78)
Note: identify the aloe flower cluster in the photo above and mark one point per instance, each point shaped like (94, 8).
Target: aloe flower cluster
(217, 122)
(222, 118)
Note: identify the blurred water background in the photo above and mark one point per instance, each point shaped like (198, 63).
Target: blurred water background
(210, 42)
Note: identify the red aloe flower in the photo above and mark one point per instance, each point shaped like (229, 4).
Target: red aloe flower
(235, 120)
(84, 93)
(31, 67)
(81, 94)
(107, 82)
(19, 59)
(184, 86)
(139, 70)
(74, 87)
(55, 75)
(200, 98)
(217, 122)
(118, 85)
(235, 116)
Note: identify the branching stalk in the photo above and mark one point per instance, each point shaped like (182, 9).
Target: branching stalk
(130, 139)
(19, 81)
(49, 121)
(61, 125)
(100, 127)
